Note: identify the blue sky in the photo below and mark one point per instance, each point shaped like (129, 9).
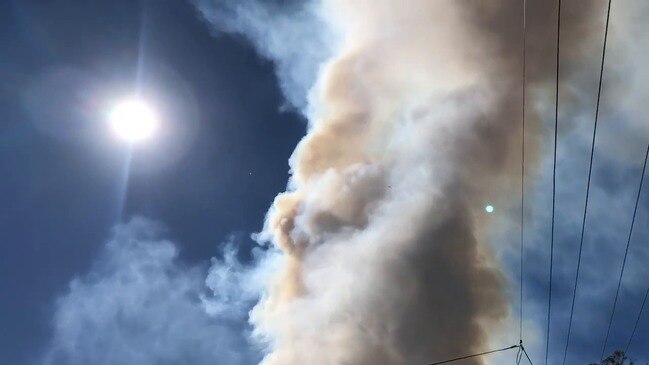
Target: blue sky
(153, 262)
(60, 188)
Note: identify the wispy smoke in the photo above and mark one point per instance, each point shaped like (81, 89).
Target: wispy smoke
(414, 127)
(289, 32)
(140, 305)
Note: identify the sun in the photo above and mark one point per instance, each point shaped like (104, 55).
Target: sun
(133, 120)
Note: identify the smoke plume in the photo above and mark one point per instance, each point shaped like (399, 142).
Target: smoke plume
(414, 126)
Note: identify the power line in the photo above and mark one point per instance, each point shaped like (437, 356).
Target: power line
(590, 171)
(520, 317)
(554, 186)
(526, 355)
(637, 320)
(520, 353)
(521, 349)
(626, 252)
(475, 355)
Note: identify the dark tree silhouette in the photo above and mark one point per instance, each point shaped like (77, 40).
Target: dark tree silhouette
(617, 358)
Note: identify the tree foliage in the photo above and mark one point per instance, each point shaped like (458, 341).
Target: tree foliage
(617, 358)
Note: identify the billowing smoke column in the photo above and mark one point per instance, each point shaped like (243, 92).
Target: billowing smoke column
(414, 127)
(382, 225)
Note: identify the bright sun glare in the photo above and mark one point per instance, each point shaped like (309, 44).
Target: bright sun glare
(133, 120)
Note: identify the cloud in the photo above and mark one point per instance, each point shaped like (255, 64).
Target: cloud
(140, 305)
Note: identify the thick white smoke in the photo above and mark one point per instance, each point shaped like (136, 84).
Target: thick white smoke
(414, 127)
(382, 224)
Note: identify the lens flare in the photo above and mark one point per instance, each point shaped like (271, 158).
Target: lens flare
(489, 208)
(133, 121)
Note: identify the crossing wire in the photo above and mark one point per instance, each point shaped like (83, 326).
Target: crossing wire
(590, 171)
(554, 186)
(526, 355)
(520, 317)
(475, 355)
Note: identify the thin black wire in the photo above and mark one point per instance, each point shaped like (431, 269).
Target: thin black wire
(554, 186)
(475, 355)
(526, 355)
(626, 252)
(590, 171)
(520, 317)
(637, 320)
